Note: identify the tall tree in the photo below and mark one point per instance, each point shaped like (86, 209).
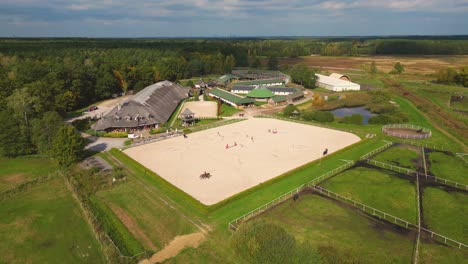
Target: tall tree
(229, 64)
(272, 63)
(68, 146)
(13, 141)
(44, 131)
(300, 73)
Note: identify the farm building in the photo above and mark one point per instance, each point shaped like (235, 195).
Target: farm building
(294, 97)
(260, 94)
(148, 108)
(227, 78)
(340, 76)
(254, 74)
(230, 98)
(336, 84)
(277, 100)
(266, 82)
(277, 90)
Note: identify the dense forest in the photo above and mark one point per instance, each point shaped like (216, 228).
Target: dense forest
(40, 76)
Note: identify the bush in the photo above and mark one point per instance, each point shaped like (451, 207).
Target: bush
(93, 132)
(287, 111)
(128, 142)
(319, 116)
(355, 119)
(116, 134)
(82, 124)
(261, 242)
(384, 119)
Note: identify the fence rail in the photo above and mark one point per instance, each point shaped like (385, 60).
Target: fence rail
(375, 151)
(410, 172)
(235, 223)
(390, 218)
(425, 145)
(424, 132)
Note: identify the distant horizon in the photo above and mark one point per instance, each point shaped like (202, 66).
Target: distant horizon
(228, 18)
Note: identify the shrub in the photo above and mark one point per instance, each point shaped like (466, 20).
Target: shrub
(261, 242)
(116, 134)
(82, 124)
(398, 117)
(319, 116)
(287, 111)
(93, 132)
(128, 142)
(355, 119)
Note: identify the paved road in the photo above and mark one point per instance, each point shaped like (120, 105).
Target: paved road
(103, 143)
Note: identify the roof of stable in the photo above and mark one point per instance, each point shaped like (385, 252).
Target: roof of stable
(258, 82)
(152, 105)
(227, 77)
(279, 98)
(334, 81)
(233, 98)
(260, 93)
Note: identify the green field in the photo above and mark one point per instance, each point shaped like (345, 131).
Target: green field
(446, 213)
(448, 167)
(14, 172)
(45, 225)
(399, 156)
(339, 233)
(148, 218)
(227, 110)
(434, 253)
(380, 190)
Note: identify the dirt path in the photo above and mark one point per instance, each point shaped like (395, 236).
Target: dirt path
(132, 226)
(175, 246)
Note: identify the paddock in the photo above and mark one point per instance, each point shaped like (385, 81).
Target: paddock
(202, 109)
(237, 156)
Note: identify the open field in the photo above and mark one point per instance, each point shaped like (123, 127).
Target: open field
(340, 233)
(446, 212)
(246, 163)
(404, 156)
(45, 225)
(14, 172)
(377, 189)
(435, 253)
(413, 64)
(153, 223)
(448, 167)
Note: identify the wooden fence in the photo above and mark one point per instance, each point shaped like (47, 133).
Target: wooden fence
(410, 172)
(390, 218)
(425, 133)
(375, 151)
(234, 224)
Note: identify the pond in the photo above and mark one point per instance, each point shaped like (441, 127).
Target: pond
(349, 111)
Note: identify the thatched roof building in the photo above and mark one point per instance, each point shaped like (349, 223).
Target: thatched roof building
(151, 106)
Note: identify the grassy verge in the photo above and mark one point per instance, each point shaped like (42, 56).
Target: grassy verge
(399, 156)
(380, 190)
(14, 172)
(116, 230)
(227, 110)
(154, 222)
(448, 167)
(446, 213)
(45, 225)
(339, 234)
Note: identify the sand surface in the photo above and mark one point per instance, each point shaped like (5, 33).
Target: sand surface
(206, 109)
(181, 160)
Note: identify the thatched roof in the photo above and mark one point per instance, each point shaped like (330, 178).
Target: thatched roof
(152, 105)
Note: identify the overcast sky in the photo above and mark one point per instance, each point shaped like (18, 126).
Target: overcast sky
(228, 18)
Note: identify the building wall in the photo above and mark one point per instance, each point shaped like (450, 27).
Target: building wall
(339, 88)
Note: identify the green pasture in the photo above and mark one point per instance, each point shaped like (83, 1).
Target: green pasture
(377, 189)
(446, 213)
(45, 225)
(14, 172)
(155, 223)
(227, 110)
(435, 253)
(399, 156)
(339, 233)
(448, 167)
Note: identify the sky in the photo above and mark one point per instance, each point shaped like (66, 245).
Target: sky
(231, 18)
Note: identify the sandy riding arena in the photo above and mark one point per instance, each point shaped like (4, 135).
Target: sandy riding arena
(237, 156)
(206, 109)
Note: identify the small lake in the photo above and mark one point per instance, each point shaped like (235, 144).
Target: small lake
(349, 111)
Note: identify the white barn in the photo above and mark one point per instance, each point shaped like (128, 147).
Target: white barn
(336, 84)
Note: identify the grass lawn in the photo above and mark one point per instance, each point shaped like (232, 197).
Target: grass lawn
(399, 156)
(341, 234)
(434, 253)
(446, 213)
(14, 172)
(227, 110)
(148, 218)
(45, 225)
(380, 190)
(448, 167)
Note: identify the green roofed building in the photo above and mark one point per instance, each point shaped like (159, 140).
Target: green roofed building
(230, 98)
(262, 93)
(268, 82)
(227, 78)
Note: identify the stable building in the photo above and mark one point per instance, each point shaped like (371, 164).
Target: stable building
(336, 84)
(230, 98)
(149, 108)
